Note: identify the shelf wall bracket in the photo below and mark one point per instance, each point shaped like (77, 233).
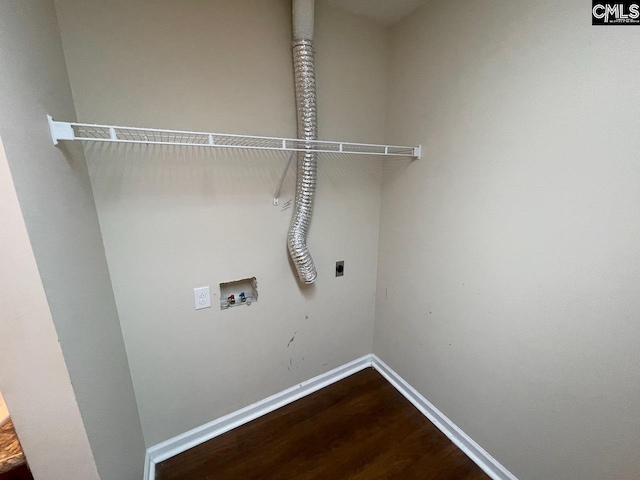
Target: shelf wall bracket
(60, 130)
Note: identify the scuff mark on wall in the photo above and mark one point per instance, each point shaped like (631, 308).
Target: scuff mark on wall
(286, 206)
(291, 364)
(292, 338)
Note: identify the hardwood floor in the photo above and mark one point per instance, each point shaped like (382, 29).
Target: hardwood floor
(12, 461)
(359, 428)
(20, 473)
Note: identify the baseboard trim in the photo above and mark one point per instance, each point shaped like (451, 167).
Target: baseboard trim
(198, 435)
(474, 451)
(149, 467)
(192, 438)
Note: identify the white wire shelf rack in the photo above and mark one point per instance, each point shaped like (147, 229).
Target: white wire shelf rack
(154, 136)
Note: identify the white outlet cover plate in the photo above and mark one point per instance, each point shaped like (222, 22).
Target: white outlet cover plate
(202, 297)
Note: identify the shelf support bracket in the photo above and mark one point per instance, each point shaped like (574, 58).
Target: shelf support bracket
(276, 196)
(60, 130)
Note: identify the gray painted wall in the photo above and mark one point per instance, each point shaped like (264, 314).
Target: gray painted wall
(33, 373)
(509, 255)
(517, 314)
(55, 195)
(178, 218)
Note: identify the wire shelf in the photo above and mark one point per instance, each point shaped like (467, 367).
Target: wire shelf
(153, 136)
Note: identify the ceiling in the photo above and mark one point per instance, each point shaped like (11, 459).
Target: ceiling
(386, 12)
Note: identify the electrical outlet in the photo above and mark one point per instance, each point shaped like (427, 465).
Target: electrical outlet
(340, 268)
(202, 297)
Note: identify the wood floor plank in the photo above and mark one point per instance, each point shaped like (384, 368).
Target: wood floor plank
(265, 430)
(360, 428)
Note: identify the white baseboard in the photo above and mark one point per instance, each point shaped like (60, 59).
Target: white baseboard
(198, 435)
(474, 451)
(190, 439)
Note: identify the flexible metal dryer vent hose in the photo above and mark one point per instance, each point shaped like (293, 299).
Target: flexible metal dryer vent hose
(307, 171)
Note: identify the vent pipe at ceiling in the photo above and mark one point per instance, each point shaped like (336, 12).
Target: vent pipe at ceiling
(307, 168)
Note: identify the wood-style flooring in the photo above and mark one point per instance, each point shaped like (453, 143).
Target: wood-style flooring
(13, 464)
(359, 428)
(20, 473)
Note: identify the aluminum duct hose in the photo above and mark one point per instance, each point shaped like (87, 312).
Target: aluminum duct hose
(305, 85)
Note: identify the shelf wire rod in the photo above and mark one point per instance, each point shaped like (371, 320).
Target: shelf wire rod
(276, 196)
